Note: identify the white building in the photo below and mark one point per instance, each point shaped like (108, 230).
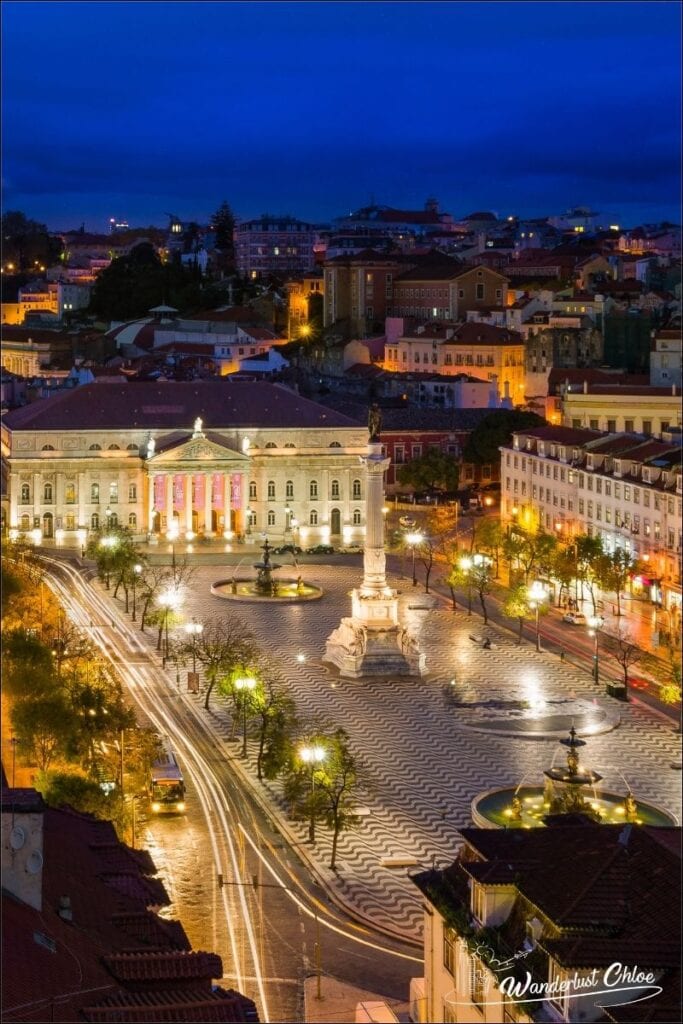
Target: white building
(210, 457)
(665, 358)
(625, 489)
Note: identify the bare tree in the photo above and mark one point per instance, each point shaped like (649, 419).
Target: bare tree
(625, 651)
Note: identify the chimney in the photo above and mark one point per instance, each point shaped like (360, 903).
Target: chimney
(673, 390)
(585, 387)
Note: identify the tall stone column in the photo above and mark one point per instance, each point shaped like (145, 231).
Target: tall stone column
(81, 484)
(14, 489)
(169, 500)
(374, 558)
(187, 491)
(208, 504)
(227, 504)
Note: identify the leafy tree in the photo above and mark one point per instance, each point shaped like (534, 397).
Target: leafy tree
(667, 672)
(100, 710)
(223, 222)
(488, 536)
(26, 242)
(338, 782)
(426, 552)
(517, 606)
(44, 724)
(275, 712)
(625, 651)
(588, 551)
(28, 666)
(481, 575)
(531, 550)
(222, 646)
(69, 789)
(494, 431)
(614, 570)
(432, 470)
(10, 586)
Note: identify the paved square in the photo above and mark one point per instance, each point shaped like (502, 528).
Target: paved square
(425, 760)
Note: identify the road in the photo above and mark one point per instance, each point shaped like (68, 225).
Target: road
(268, 917)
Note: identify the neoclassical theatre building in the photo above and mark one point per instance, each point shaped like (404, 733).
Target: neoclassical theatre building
(210, 458)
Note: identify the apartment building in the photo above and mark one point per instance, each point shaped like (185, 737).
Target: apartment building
(622, 407)
(447, 291)
(665, 358)
(358, 289)
(625, 489)
(479, 349)
(282, 246)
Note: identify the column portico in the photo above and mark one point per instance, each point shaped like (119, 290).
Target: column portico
(208, 504)
(169, 500)
(187, 492)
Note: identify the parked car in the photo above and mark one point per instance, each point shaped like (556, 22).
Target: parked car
(353, 549)
(287, 549)
(320, 549)
(575, 618)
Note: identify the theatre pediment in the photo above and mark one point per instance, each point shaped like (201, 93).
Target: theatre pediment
(201, 450)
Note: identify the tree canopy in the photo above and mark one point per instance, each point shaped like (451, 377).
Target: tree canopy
(431, 470)
(132, 285)
(496, 430)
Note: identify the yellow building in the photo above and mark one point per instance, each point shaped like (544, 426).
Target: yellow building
(477, 349)
(624, 409)
(300, 293)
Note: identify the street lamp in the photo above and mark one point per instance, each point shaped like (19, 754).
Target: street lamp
(594, 624)
(36, 536)
(194, 629)
(465, 565)
(413, 539)
(312, 756)
(108, 513)
(294, 523)
(81, 537)
(538, 595)
(244, 686)
(248, 513)
(137, 569)
(172, 534)
(169, 601)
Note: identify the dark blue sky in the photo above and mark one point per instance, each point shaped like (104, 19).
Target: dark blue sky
(135, 109)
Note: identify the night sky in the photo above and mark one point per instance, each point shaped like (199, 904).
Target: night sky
(134, 110)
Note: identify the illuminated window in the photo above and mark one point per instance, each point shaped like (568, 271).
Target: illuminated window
(289, 489)
(313, 489)
(95, 494)
(313, 518)
(47, 492)
(113, 493)
(70, 494)
(252, 489)
(95, 448)
(271, 518)
(25, 494)
(356, 517)
(335, 489)
(132, 492)
(356, 492)
(271, 489)
(449, 937)
(132, 520)
(94, 521)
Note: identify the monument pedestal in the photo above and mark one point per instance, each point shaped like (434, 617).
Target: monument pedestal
(379, 638)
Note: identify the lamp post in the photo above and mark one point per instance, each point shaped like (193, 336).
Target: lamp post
(109, 543)
(194, 629)
(173, 533)
(312, 756)
(168, 601)
(137, 569)
(288, 520)
(244, 687)
(248, 513)
(294, 523)
(413, 539)
(594, 624)
(465, 565)
(537, 596)
(81, 537)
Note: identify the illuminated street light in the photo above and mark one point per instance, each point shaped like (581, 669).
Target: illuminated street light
(137, 570)
(244, 687)
(538, 595)
(594, 624)
(169, 601)
(413, 539)
(81, 537)
(36, 536)
(465, 565)
(312, 756)
(194, 629)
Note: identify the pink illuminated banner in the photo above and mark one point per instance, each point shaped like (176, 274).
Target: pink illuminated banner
(178, 493)
(236, 490)
(199, 490)
(217, 480)
(159, 493)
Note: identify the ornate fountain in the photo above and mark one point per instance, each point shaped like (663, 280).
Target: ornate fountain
(571, 789)
(265, 587)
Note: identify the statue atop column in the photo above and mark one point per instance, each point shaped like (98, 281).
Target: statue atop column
(151, 446)
(198, 423)
(374, 423)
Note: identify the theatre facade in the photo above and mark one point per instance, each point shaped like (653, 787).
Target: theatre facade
(204, 459)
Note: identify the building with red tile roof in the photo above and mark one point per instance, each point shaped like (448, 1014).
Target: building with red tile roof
(79, 941)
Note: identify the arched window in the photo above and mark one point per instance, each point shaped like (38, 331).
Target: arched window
(131, 447)
(290, 445)
(114, 448)
(356, 489)
(252, 489)
(25, 494)
(47, 492)
(94, 521)
(313, 518)
(95, 448)
(335, 444)
(70, 494)
(132, 520)
(271, 444)
(132, 492)
(95, 494)
(113, 520)
(271, 518)
(289, 489)
(313, 489)
(113, 493)
(251, 518)
(25, 522)
(356, 517)
(335, 488)
(48, 448)
(271, 489)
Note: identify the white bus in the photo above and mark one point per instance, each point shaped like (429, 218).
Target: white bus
(167, 787)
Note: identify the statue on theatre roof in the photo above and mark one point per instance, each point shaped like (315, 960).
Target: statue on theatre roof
(374, 422)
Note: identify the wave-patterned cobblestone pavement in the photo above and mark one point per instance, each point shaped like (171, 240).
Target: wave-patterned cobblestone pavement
(425, 765)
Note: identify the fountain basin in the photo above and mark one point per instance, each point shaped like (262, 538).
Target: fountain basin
(493, 809)
(287, 591)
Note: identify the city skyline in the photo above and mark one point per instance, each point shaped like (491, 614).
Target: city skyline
(276, 108)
